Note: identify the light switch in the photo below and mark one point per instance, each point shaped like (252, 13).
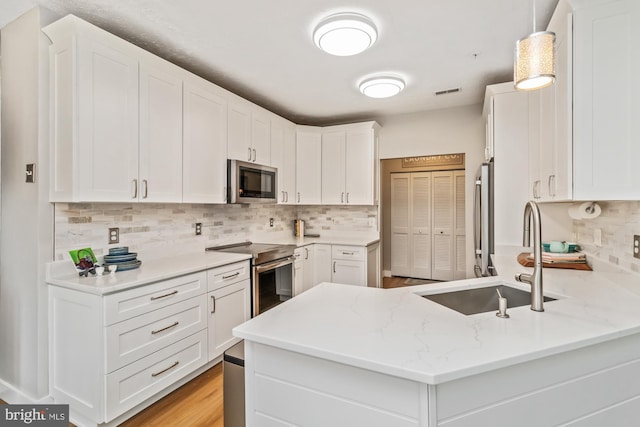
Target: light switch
(30, 172)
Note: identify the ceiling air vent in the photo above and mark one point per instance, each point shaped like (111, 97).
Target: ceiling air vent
(447, 91)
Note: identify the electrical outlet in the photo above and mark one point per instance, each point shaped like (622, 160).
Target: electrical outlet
(198, 228)
(270, 222)
(114, 235)
(636, 246)
(30, 172)
(597, 236)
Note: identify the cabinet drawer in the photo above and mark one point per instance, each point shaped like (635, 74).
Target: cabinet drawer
(228, 274)
(131, 385)
(355, 253)
(140, 336)
(134, 302)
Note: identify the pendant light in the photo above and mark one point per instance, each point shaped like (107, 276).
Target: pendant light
(534, 64)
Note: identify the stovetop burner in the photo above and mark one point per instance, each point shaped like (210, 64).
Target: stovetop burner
(261, 252)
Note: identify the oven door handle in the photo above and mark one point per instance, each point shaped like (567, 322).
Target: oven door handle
(275, 264)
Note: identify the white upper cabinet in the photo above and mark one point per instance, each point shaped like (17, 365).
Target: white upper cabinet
(333, 167)
(94, 129)
(204, 143)
(550, 118)
(308, 166)
(283, 157)
(350, 164)
(249, 137)
(606, 110)
(160, 143)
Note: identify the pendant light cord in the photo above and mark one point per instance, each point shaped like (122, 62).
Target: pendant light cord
(533, 6)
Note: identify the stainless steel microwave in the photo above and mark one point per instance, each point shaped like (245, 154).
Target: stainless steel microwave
(251, 183)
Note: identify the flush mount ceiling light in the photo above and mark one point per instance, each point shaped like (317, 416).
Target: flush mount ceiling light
(534, 65)
(382, 86)
(345, 34)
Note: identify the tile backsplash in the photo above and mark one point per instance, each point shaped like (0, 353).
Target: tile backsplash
(160, 229)
(618, 222)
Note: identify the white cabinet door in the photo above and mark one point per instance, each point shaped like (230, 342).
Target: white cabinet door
(283, 157)
(606, 61)
(333, 168)
(229, 306)
(96, 143)
(361, 163)
(261, 137)
(349, 272)
(459, 228)
(322, 263)
(308, 167)
(554, 123)
(204, 143)
(249, 133)
(298, 271)
(308, 259)
(160, 149)
(239, 131)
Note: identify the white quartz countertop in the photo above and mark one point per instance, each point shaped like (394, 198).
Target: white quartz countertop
(355, 240)
(398, 332)
(149, 271)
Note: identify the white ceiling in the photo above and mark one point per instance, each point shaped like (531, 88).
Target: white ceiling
(262, 49)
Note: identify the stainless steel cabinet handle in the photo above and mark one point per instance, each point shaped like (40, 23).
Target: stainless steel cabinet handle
(145, 184)
(254, 154)
(342, 197)
(155, 374)
(287, 198)
(298, 197)
(165, 295)
(347, 197)
(249, 158)
(213, 304)
(551, 183)
(536, 188)
(237, 273)
(306, 253)
(334, 266)
(135, 189)
(157, 331)
(347, 253)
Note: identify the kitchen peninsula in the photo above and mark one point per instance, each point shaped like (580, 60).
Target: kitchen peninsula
(341, 355)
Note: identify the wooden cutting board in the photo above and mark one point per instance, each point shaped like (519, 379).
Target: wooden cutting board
(523, 260)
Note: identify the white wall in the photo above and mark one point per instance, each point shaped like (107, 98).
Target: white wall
(453, 130)
(26, 239)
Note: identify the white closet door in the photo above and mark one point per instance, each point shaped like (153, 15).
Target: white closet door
(420, 209)
(400, 220)
(443, 247)
(460, 267)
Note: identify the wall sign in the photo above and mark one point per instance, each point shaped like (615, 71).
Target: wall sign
(439, 160)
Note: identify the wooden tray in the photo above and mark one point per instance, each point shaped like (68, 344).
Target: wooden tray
(522, 260)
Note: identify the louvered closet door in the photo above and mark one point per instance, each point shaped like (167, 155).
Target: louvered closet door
(420, 209)
(400, 220)
(443, 227)
(460, 267)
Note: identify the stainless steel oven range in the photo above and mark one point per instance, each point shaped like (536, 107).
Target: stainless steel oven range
(272, 278)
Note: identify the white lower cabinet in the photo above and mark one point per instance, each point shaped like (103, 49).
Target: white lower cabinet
(304, 272)
(322, 263)
(229, 304)
(112, 353)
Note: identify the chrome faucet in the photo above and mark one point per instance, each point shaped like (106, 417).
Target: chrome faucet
(531, 212)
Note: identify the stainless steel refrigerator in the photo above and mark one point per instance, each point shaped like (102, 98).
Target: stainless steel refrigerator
(483, 221)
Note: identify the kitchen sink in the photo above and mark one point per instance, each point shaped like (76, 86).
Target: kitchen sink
(482, 300)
